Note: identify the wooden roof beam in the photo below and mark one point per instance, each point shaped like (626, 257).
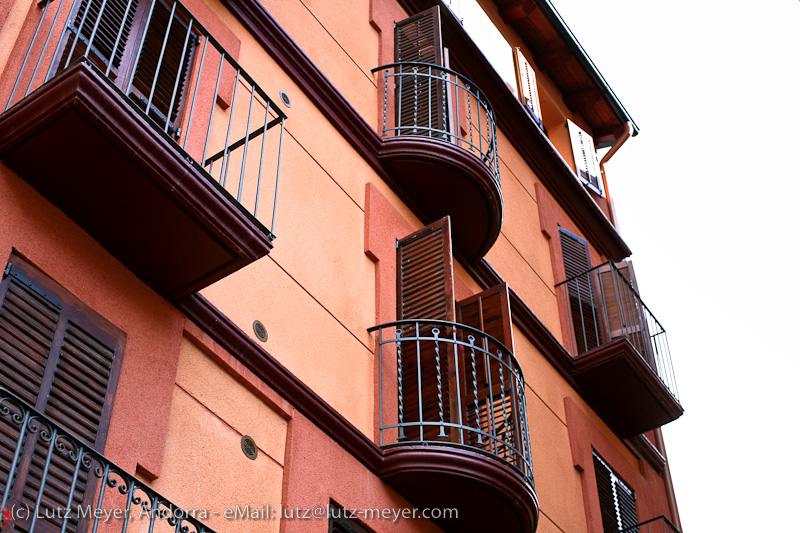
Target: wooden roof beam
(515, 11)
(553, 58)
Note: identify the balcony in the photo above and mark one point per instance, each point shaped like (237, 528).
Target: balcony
(51, 481)
(453, 425)
(440, 145)
(621, 353)
(141, 127)
(654, 525)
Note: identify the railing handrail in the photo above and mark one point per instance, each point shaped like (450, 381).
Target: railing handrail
(628, 284)
(640, 524)
(29, 423)
(474, 86)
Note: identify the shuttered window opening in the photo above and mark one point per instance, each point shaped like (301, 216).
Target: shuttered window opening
(617, 500)
(584, 307)
(587, 166)
(63, 359)
(112, 32)
(420, 97)
(342, 521)
(528, 92)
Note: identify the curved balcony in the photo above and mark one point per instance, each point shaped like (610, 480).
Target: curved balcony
(453, 424)
(440, 145)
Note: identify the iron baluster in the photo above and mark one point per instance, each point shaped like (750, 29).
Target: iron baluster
(246, 143)
(261, 163)
(435, 332)
(419, 384)
(416, 100)
(178, 77)
(46, 43)
(119, 37)
(401, 432)
(277, 177)
(471, 339)
(503, 397)
(194, 96)
(213, 108)
(160, 59)
(223, 174)
(27, 54)
(53, 436)
(385, 99)
(469, 116)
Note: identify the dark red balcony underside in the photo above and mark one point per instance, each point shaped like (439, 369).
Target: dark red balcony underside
(624, 390)
(441, 179)
(79, 144)
(487, 494)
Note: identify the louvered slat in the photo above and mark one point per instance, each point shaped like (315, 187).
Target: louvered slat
(528, 92)
(107, 28)
(584, 310)
(606, 494)
(587, 167)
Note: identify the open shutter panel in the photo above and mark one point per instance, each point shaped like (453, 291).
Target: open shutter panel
(605, 492)
(419, 93)
(587, 167)
(175, 66)
(625, 314)
(116, 22)
(584, 309)
(63, 359)
(425, 292)
(528, 93)
(490, 311)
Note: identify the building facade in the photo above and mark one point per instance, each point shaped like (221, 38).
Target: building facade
(298, 266)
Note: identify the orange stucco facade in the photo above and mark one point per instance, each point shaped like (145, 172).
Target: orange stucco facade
(195, 378)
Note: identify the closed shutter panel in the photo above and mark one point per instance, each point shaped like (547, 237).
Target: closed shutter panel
(627, 506)
(490, 312)
(174, 67)
(587, 166)
(425, 292)
(583, 307)
(526, 84)
(116, 22)
(62, 358)
(420, 92)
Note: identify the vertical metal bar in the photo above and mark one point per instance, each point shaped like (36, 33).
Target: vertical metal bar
(94, 30)
(385, 99)
(23, 431)
(458, 349)
(46, 42)
(119, 36)
(471, 339)
(27, 54)
(246, 143)
(416, 98)
(458, 117)
(580, 310)
(480, 133)
(594, 309)
(99, 505)
(225, 152)
(178, 76)
(277, 178)
(490, 407)
(380, 381)
(445, 120)
(156, 504)
(515, 413)
(194, 96)
(213, 108)
(81, 453)
(261, 163)
(141, 46)
(401, 433)
(435, 332)
(160, 59)
(429, 83)
(603, 301)
(60, 39)
(419, 384)
(53, 437)
(131, 489)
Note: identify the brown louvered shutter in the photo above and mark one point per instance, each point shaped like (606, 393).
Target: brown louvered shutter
(111, 33)
(617, 500)
(584, 309)
(63, 359)
(425, 292)
(528, 92)
(420, 92)
(624, 311)
(490, 312)
(173, 73)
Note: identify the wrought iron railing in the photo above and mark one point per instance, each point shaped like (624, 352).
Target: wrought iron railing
(438, 103)
(447, 383)
(50, 479)
(654, 525)
(174, 73)
(604, 306)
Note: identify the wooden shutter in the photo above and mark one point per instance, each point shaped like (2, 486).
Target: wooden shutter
(527, 91)
(425, 292)
(63, 359)
(116, 22)
(624, 311)
(420, 92)
(617, 500)
(175, 66)
(584, 309)
(490, 312)
(587, 166)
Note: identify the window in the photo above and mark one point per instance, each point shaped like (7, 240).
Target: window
(62, 358)
(617, 500)
(152, 44)
(587, 166)
(341, 521)
(527, 91)
(425, 291)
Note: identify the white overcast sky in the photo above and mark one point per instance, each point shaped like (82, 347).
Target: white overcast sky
(708, 197)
